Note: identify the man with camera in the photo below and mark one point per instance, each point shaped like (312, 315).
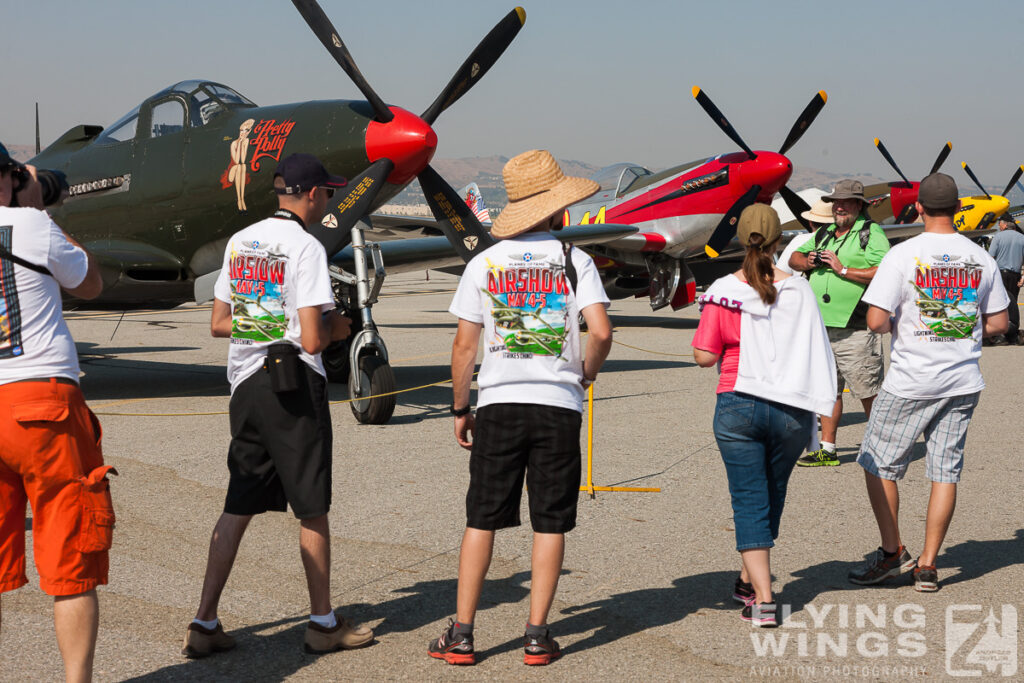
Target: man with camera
(49, 439)
(274, 300)
(842, 259)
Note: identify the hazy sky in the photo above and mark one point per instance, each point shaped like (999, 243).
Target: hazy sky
(597, 81)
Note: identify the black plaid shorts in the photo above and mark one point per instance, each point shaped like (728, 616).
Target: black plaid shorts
(511, 440)
(280, 451)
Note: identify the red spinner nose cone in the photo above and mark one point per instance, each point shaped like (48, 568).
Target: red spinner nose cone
(407, 140)
(770, 170)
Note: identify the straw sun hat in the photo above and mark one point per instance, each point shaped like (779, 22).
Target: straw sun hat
(537, 190)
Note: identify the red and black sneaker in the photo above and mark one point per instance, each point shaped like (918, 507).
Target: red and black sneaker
(454, 648)
(540, 650)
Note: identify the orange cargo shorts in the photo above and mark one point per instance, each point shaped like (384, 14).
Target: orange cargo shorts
(50, 457)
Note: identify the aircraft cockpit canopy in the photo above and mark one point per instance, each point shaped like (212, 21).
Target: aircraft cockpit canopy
(619, 178)
(187, 104)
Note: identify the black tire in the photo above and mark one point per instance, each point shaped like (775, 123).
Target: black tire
(376, 378)
(335, 359)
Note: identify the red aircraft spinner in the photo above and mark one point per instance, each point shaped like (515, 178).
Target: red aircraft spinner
(686, 215)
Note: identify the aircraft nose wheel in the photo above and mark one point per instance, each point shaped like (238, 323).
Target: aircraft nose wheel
(376, 377)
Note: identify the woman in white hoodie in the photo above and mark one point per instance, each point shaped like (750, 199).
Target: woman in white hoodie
(763, 329)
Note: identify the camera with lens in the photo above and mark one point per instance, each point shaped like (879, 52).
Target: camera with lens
(54, 183)
(816, 259)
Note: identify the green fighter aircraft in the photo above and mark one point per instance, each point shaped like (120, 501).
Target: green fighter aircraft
(156, 195)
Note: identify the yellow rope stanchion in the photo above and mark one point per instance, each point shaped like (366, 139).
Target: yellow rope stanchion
(590, 488)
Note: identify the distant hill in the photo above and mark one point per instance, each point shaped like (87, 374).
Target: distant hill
(22, 152)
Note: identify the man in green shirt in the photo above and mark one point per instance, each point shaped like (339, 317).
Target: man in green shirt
(842, 259)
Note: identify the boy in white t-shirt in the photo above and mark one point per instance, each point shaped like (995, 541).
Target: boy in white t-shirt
(524, 295)
(931, 292)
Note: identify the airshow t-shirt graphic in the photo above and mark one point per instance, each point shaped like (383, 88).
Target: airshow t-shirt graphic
(257, 293)
(937, 287)
(528, 307)
(947, 286)
(518, 292)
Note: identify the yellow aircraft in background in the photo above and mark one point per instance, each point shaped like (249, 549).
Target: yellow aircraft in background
(979, 212)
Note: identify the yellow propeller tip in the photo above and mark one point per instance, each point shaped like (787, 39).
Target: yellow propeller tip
(695, 90)
(824, 95)
(710, 252)
(877, 142)
(963, 164)
(522, 15)
(949, 144)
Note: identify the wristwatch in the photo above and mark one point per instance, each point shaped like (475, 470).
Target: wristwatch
(460, 412)
(842, 273)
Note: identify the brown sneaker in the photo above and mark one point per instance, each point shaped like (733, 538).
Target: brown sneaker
(344, 636)
(203, 642)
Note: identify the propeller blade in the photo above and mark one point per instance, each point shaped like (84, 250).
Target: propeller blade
(726, 229)
(477, 64)
(888, 157)
(796, 204)
(946, 149)
(1013, 180)
(324, 30)
(805, 120)
(460, 225)
(975, 179)
(37, 128)
(719, 118)
(907, 215)
(343, 211)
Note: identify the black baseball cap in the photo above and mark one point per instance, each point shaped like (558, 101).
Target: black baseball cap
(300, 173)
(6, 160)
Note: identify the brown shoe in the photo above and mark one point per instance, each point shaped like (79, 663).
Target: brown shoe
(344, 636)
(203, 642)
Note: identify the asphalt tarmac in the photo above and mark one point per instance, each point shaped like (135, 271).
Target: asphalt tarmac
(646, 590)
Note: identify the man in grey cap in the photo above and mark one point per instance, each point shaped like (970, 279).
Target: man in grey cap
(842, 259)
(1007, 248)
(938, 294)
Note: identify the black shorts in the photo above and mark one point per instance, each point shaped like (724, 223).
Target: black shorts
(280, 451)
(516, 439)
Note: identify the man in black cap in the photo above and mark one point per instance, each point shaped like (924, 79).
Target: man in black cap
(938, 294)
(842, 259)
(274, 300)
(1007, 248)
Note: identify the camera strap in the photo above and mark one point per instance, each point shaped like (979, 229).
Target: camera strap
(4, 253)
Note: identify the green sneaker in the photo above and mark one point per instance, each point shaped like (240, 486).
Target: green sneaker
(819, 458)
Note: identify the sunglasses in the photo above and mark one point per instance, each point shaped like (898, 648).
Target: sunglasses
(329, 191)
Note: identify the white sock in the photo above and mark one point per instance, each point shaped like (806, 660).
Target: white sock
(326, 620)
(828, 446)
(209, 625)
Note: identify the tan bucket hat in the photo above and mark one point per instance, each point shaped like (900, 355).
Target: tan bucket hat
(537, 190)
(821, 212)
(847, 189)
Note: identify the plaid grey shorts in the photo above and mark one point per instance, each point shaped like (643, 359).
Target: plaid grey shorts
(895, 425)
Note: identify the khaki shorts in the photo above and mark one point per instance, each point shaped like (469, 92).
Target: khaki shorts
(858, 361)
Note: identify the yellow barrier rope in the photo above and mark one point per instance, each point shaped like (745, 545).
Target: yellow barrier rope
(657, 353)
(225, 412)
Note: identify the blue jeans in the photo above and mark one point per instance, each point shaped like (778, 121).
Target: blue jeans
(760, 442)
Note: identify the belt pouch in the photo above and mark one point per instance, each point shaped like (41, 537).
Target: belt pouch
(284, 366)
